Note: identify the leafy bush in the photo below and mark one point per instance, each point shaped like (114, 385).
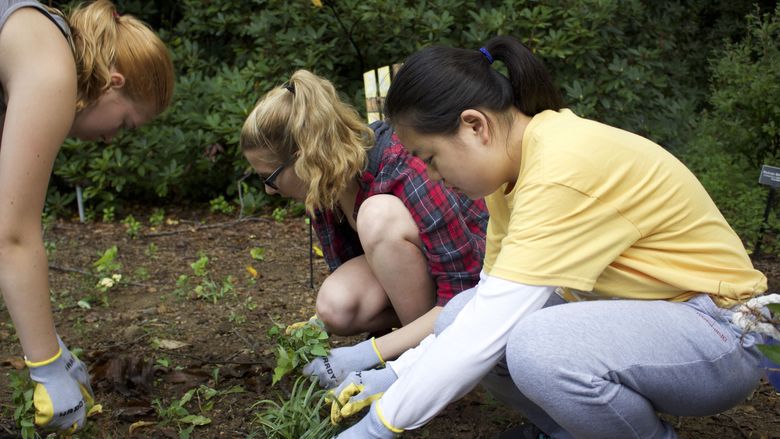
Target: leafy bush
(742, 129)
(636, 64)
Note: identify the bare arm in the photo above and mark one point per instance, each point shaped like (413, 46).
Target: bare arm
(38, 74)
(397, 342)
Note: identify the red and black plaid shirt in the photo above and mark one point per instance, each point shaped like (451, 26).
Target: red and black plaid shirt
(452, 227)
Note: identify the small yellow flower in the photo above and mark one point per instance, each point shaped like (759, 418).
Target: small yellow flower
(251, 270)
(316, 3)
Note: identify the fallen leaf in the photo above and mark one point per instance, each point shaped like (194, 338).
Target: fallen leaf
(140, 424)
(15, 362)
(128, 376)
(133, 414)
(95, 410)
(191, 377)
(170, 344)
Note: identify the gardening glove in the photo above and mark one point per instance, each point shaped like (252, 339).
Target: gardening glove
(78, 370)
(58, 399)
(332, 370)
(748, 316)
(313, 320)
(370, 427)
(358, 391)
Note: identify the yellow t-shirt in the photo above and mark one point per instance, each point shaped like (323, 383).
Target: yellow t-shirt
(602, 210)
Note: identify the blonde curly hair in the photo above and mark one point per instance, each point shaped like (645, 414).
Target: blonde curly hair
(103, 39)
(307, 118)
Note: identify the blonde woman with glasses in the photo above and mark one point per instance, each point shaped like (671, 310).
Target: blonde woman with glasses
(399, 246)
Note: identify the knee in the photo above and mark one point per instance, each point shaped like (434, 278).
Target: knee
(336, 310)
(384, 218)
(530, 357)
(451, 310)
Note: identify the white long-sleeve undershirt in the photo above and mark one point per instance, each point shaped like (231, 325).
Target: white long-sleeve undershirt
(444, 368)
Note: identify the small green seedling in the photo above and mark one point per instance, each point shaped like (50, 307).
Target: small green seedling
(297, 348)
(206, 288)
(107, 262)
(772, 352)
(177, 414)
(220, 205)
(109, 214)
(132, 225)
(157, 217)
(22, 396)
(257, 253)
(279, 214)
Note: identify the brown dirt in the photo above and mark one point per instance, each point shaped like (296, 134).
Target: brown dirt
(120, 340)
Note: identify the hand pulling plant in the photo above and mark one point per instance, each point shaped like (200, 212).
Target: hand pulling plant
(298, 347)
(750, 318)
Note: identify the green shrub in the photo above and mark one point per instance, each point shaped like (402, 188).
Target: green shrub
(635, 64)
(741, 131)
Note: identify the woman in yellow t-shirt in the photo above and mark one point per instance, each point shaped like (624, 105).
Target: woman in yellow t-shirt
(609, 278)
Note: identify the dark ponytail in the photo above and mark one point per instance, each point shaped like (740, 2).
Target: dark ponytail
(437, 83)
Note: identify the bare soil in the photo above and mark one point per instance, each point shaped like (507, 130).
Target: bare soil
(130, 342)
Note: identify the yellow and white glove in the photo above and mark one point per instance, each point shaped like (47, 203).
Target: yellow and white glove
(331, 370)
(370, 427)
(358, 391)
(58, 399)
(78, 370)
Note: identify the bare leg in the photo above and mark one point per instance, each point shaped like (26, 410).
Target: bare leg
(351, 300)
(391, 240)
(389, 285)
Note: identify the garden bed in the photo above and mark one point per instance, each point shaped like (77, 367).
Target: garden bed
(154, 336)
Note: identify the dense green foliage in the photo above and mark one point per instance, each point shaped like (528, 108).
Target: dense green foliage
(638, 64)
(741, 129)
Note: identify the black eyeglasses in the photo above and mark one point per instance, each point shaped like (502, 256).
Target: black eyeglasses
(270, 181)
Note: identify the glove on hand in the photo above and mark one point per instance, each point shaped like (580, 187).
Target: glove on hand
(370, 427)
(58, 400)
(78, 370)
(359, 390)
(332, 370)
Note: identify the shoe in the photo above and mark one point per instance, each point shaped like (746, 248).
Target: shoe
(525, 431)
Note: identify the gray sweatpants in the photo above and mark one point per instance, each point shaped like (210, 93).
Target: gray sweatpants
(604, 369)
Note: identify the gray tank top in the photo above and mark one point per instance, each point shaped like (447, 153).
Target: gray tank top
(8, 7)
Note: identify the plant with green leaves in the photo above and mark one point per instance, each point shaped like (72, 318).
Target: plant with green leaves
(772, 351)
(22, 388)
(132, 226)
(157, 217)
(105, 284)
(279, 214)
(107, 263)
(257, 253)
(176, 413)
(151, 251)
(220, 205)
(109, 214)
(298, 417)
(741, 130)
(205, 287)
(297, 347)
